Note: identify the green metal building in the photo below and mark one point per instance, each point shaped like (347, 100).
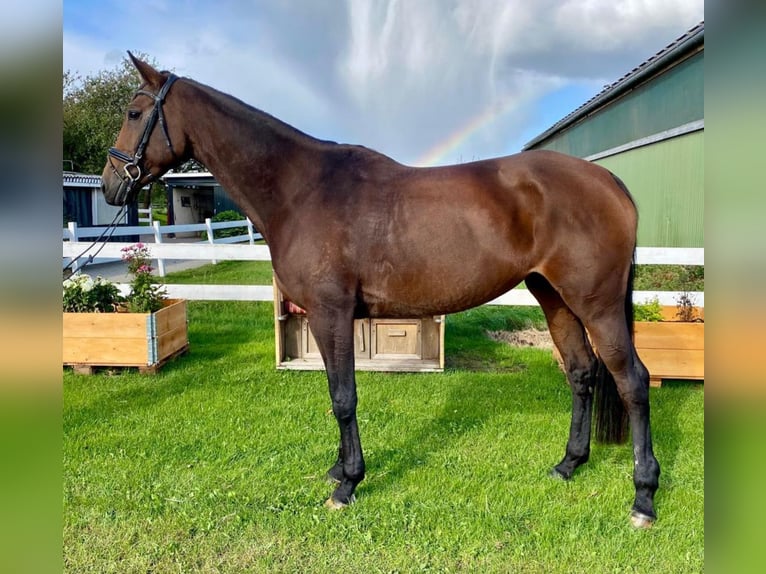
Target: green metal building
(648, 128)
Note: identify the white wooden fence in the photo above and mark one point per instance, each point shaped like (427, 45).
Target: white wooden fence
(72, 235)
(231, 248)
(147, 212)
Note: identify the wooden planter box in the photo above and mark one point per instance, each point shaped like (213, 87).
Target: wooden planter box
(408, 345)
(143, 340)
(672, 349)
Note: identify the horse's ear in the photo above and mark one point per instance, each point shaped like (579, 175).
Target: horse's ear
(148, 73)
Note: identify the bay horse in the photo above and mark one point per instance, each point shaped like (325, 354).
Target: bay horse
(353, 233)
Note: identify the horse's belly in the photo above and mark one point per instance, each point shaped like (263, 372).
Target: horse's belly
(428, 293)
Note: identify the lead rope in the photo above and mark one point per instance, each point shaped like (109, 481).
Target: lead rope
(110, 229)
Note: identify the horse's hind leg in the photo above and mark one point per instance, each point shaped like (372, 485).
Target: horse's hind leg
(612, 338)
(580, 365)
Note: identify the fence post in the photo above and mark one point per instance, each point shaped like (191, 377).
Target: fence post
(72, 227)
(158, 239)
(210, 235)
(72, 230)
(250, 230)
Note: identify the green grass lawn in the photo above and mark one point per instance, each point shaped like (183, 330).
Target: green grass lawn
(216, 464)
(225, 273)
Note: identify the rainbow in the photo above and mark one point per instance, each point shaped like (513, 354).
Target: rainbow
(442, 149)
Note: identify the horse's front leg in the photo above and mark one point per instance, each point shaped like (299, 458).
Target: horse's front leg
(334, 334)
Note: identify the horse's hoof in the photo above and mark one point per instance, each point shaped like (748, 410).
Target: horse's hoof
(555, 473)
(333, 504)
(641, 520)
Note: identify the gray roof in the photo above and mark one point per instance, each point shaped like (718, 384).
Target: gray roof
(680, 47)
(189, 178)
(74, 179)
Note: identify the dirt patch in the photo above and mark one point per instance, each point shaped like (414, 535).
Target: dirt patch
(469, 362)
(525, 338)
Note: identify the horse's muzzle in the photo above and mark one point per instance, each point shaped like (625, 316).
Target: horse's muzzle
(118, 191)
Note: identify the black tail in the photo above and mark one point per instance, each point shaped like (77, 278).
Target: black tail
(610, 416)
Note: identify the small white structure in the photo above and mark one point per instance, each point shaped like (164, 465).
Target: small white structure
(85, 204)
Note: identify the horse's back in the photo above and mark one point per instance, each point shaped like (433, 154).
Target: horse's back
(419, 241)
(457, 236)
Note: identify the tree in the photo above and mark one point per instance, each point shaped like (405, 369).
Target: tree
(94, 108)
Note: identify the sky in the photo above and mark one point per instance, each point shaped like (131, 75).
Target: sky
(427, 82)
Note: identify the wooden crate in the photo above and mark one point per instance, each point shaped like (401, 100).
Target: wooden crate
(671, 349)
(143, 340)
(407, 345)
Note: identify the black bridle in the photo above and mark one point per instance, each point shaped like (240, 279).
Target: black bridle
(132, 169)
(129, 180)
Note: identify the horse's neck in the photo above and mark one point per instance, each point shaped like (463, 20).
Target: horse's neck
(248, 152)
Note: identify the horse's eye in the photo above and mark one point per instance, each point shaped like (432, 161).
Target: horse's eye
(134, 114)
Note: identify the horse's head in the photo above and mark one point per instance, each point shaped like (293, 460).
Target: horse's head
(151, 140)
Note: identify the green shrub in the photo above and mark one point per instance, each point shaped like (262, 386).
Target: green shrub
(144, 296)
(670, 278)
(650, 311)
(228, 215)
(83, 294)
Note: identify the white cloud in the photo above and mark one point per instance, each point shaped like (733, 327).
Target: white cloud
(397, 75)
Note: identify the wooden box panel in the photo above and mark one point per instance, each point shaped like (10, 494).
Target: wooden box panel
(310, 350)
(124, 339)
(432, 339)
(408, 345)
(670, 364)
(670, 335)
(671, 349)
(309, 347)
(289, 337)
(106, 351)
(396, 339)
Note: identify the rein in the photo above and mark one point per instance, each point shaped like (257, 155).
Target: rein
(131, 169)
(110, 229)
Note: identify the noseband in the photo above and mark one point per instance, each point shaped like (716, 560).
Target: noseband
(132, 169)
